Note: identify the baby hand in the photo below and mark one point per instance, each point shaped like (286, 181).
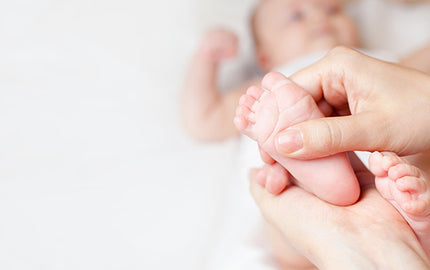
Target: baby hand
(219, 44)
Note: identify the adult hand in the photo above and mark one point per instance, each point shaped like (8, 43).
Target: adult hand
(380, 106)
(370, 234)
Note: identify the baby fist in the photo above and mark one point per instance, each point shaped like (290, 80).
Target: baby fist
(219, 44)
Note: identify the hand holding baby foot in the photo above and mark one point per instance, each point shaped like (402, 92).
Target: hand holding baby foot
(331, 237)
(219, 44)
(354, 85)
(262, 115)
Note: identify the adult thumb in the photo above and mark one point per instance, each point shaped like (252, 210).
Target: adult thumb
(327, 136)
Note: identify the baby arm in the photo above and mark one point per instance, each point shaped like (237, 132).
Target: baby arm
(208, 113)
(419, 60)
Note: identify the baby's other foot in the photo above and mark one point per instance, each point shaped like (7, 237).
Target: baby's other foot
(261, 115)
(273, 177)
(405, 186)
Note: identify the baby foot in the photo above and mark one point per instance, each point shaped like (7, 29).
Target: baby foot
(404, 186)
(262, 115)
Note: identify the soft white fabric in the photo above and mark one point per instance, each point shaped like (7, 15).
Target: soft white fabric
(95, 170)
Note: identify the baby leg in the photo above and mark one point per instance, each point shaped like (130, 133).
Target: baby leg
(406, 187)
(262, 115)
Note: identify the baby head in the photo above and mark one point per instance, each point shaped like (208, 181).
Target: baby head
(286, 29)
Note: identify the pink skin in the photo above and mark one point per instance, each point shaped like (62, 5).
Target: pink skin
(273, 177)
(261, 116)
(406, 187)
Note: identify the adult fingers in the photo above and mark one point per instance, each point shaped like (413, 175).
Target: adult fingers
(327, 136)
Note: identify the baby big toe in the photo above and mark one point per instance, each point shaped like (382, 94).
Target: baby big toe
(272, 79)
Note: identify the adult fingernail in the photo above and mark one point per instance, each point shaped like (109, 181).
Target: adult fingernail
(290, 141)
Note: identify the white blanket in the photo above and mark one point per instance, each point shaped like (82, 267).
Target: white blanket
(95, 170)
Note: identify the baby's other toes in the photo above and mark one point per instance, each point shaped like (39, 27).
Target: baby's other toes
(247, 101)
(416, 207)
(389, 160)
(244, 119)
(411, 184)
(402, 170)
(255, 92)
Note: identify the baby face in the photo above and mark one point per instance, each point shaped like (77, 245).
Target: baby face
(286, 29)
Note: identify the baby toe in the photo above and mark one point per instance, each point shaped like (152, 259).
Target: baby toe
(415, 207)
(411, 184)
(247, 101)
(389, 160)
(240, 123)
(243, 120)
(271, 79)
(255, 92)
(383, 185)
(401, 170)
(244, 112)
(375, 164)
